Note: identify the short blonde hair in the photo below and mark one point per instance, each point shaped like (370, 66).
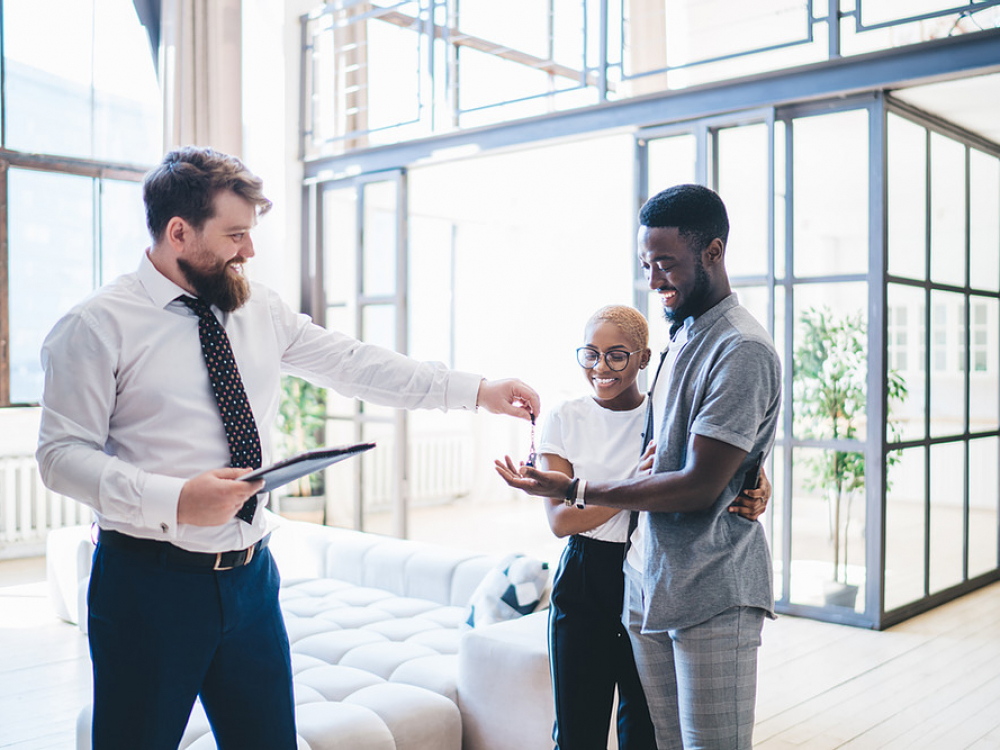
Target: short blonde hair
(631, 322)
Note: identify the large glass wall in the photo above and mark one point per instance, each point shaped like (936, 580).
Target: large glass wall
(943, 322)
(865, 237)
(901, 328)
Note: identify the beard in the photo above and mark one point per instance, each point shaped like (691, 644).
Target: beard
(694, 302)
(214, 283)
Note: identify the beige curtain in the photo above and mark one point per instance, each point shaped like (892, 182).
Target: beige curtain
(200, 74)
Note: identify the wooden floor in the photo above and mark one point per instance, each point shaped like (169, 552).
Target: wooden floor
(932, 682)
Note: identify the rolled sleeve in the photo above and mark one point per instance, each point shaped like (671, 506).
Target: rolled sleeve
(739, 395)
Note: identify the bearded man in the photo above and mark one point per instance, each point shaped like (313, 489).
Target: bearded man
(160, 389)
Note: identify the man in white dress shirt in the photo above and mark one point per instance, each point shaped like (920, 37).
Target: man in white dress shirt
(183, 594)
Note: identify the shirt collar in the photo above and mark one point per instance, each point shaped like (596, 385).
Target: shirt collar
(694, 326)
(161, 290)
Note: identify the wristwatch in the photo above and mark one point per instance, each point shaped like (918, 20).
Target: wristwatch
(574, 493)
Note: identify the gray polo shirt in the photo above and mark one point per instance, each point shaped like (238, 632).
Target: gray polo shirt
(725, 385)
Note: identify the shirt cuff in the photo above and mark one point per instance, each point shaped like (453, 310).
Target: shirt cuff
(160, 495)
(462, 390)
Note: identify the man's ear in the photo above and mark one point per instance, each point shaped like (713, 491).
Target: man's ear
(178, 233)
(713, 254)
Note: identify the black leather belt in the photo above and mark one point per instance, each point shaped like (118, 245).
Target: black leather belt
(178, 556)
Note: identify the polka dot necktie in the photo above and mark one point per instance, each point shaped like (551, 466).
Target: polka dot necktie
(234, 407)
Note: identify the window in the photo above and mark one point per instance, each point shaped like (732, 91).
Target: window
(81, 107)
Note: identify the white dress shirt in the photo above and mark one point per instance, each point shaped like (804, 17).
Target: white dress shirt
(128, 413)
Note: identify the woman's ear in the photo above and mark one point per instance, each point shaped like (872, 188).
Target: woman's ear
(644, 358)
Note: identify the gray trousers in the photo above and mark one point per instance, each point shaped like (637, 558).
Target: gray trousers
(700, 682)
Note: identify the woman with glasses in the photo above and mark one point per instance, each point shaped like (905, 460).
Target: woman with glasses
(599, 437)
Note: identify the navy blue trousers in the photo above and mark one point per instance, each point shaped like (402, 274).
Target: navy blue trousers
(162, 635)
(591, 653)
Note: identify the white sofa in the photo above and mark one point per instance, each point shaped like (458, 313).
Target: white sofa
(380, 655)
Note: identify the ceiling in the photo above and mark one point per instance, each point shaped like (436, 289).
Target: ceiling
(972, 103)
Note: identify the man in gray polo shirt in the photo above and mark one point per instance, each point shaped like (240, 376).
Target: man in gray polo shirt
(698, 577)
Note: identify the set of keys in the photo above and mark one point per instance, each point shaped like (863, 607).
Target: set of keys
(531, 453)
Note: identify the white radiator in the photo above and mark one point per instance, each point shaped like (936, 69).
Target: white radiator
(440, 470)
(28, 510)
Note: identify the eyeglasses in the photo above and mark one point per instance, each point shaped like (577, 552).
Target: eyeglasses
(616, 359)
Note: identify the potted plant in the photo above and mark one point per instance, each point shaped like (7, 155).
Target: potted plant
(830, 374)
(301, 426)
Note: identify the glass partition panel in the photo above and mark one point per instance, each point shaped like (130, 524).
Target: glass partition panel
(340, 318)
(947, 519)
(342, 479)
(886, 11)
(391, 70)
(828, 528)
(523, 26)
(340, 236)
(907, 193)
(689, 31)
(780, 199)
(755, 299)
(672, 161)
(508, 80)
(780, 336)
(906, 352)
(431, 295)
(905, 529)
(830, 192)
(378, 478)
(379, 251)
(774, 520)
(947, 375)
(743, 170)
(984, 505)
(984, 355)
(947, 211)
(831, 361)
(529, 50)
(984, 220)
(52, 238)
(378, 326)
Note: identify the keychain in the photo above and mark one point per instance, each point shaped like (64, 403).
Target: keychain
(531, 453)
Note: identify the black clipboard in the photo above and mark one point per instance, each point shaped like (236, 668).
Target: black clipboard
(281, 473)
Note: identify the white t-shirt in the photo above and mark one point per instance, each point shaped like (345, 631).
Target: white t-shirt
(603, 446)
(662, 385)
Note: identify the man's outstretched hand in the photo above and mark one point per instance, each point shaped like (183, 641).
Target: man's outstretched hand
(552, 484)
(510, 397)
